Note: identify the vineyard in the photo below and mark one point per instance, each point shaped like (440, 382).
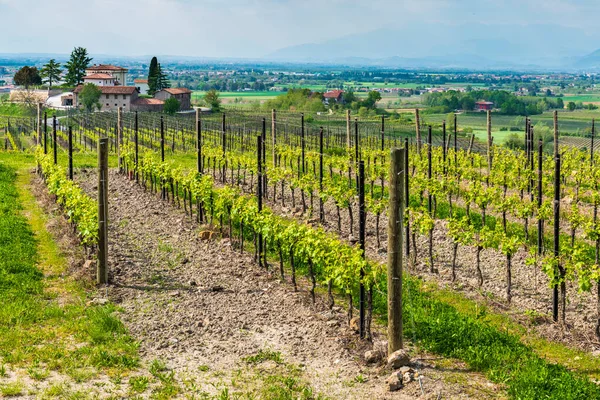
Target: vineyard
(308, 199)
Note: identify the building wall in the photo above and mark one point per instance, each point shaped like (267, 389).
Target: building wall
(142, 87)
(120, 76)
(100, 82)
(147, 107)
(111, 103)
(185, 100)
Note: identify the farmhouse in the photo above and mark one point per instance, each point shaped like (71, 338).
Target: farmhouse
(183, 95)
(118, 73)
(112, 97)
(333, 95)
(483, 105)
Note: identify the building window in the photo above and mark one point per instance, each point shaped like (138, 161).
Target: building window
(107, 97)
(116, 105)
(115, 97)
(124, 105)
(106, 104)
(124, 97)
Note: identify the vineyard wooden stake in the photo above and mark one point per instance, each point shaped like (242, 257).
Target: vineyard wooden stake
(348, 142)
(489, 136)
(321, 208)
(224, 143)
(430, 197)
(199, 145)
(540, 193)
(406, 197)
(382, 132)
(418, 132)
(444, 146)
(274, 134)
(54, 139)
(555, 133)
(162, 154)
(455, 144)
(39, 124)
(101, 270)
(394, 261)
(556, 234)
(137, 159)
(302, 141)
(592, 144)
(45, 132)
(70, 153)
(119, 136)
(361, 239)
(259, 193)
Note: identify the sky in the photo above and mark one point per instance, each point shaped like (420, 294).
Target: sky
(251, 28)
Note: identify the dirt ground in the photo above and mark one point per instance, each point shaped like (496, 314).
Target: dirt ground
(203, 307)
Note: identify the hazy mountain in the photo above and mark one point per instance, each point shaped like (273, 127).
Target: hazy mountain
(438, 45)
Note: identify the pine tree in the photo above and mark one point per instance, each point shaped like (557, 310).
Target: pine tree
(153, 75)
(77, 65)
(50, 72)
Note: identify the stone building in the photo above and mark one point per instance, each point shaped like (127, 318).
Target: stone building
(183, 95)
(112, 97)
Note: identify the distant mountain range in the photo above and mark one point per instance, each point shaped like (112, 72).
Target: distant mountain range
(472, 46)
(415, 45)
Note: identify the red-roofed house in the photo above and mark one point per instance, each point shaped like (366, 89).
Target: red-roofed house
(183, 95)
(333, 95)
(119, 73)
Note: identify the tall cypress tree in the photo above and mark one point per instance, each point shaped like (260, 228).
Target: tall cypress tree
(163, 81)
(153, 76)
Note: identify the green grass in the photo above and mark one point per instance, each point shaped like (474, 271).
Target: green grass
(44, 319)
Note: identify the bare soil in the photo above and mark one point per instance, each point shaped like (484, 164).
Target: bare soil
(196, 303)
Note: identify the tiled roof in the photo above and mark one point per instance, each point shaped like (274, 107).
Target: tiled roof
(98, 76)
(177, 90)
(105, 67)
(140, 80)
(111, 89)
(145, 100)
(334, 94)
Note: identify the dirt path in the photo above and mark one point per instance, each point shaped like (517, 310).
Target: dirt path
(204, 308)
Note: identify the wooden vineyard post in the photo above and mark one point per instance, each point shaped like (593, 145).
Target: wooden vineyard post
(556, 234)
(259, 183)
(39, 124)
(406, 197)
(162, 154)
(592, 144)
(321, 208)
(101, 270)
(70, 153)
(356, 150)
(394, 261)
(348, 142)
(136, 139)
(455, 144)
(540, 238)
(199, 144)
(54, 149)
(489, 144)
(418, 130)
(444, 146)
(382, 132)
(302, 140)
(274, 135)
(430, 196)
(224, 145)
(119, 136)
(45, 132)
(555, 133)
(361, 239)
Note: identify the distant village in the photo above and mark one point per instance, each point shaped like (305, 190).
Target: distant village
(112, 82)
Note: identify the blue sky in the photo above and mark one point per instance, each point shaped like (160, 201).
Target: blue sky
(252, 28)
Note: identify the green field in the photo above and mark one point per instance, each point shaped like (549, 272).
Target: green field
(585, 98)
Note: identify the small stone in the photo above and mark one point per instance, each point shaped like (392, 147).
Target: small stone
(407, 378)
(175, 294)
(398, 359)
(405, 369)
(372, 356)
(173, 341)
(89, 264)
(354, 324)
(333, 322)
(394, 382)
(98, 302)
